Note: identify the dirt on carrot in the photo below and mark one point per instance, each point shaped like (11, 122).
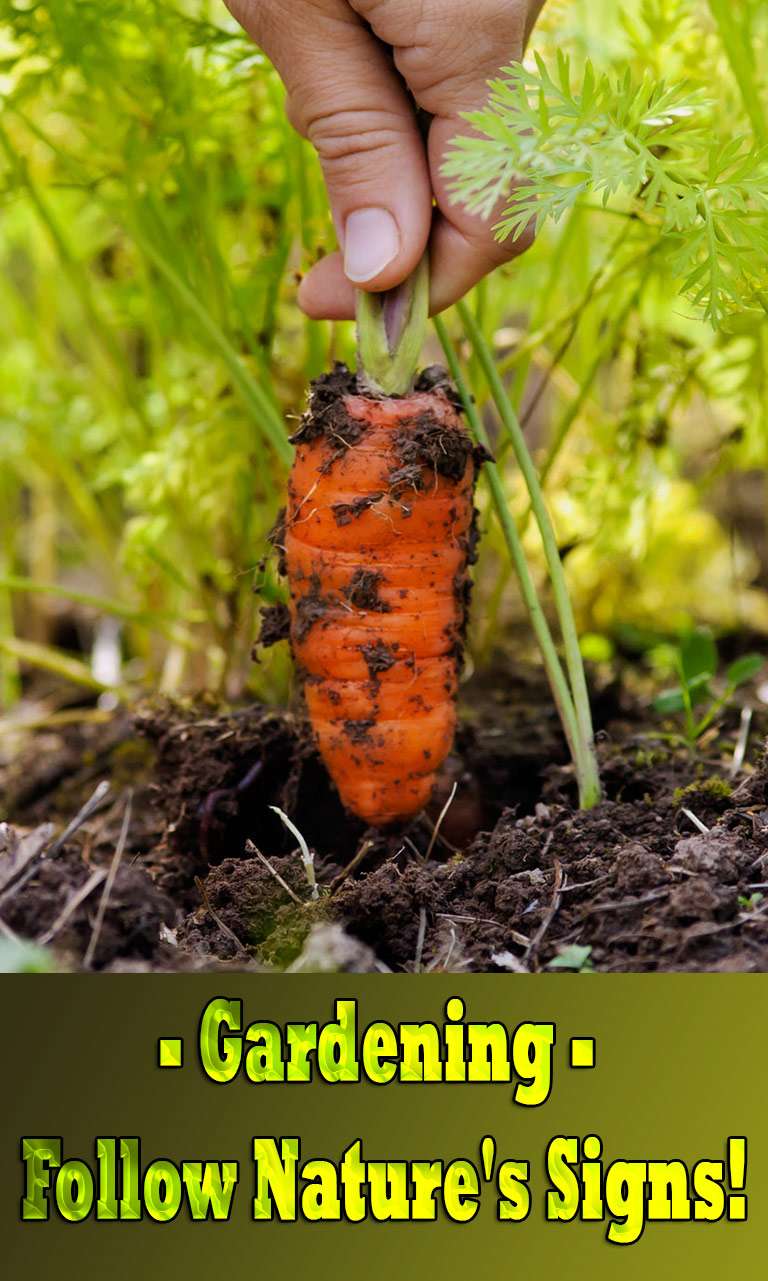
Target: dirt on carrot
(377, 537)
(670, 872)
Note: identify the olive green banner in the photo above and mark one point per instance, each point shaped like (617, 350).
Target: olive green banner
(378, 1125)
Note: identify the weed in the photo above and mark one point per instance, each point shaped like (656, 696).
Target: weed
(696, 663)
(748, 903)
(573, 957)
(712, 789)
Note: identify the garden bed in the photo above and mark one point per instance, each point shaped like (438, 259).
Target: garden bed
(669, 873)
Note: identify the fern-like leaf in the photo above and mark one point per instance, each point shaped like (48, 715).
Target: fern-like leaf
(540, 145)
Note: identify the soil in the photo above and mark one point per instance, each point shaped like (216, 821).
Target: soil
(667, 873)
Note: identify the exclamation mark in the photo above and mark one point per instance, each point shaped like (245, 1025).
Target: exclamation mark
(488, 1153)
(737, 1170)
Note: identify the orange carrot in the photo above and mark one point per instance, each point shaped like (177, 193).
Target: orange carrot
(378, 535)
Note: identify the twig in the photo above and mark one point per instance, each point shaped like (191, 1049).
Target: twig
(696, 821)
(450, 949)
(439, 962)
(339, 880)
(522, 940)
(85, 813)
(583, 885)
(101, 792)
(560, 884)
(624, 903)
(307, 857)
(426, 822)
(224, 928)
(740, 750)
(420, 939)
(439, 822)
(250, 848)
(23, 852)
(72, 904)
(118, 854)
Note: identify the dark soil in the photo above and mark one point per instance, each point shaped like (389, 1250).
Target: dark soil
(421, 443)
(517, 878)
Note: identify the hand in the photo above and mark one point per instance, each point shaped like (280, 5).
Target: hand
(345, 96)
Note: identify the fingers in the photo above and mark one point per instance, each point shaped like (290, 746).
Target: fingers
(466, 247)
(457, 262)
(447, 50)
(344, 96)
(447, 53)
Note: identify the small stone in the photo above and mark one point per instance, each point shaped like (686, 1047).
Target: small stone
(328, 949)
(714, 852)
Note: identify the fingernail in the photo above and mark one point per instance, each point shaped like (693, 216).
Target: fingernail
(371, 241)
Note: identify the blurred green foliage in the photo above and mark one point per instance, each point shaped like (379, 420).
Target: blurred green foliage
(154, 209)
(696, 664)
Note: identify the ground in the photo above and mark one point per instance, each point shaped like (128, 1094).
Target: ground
(668, 873)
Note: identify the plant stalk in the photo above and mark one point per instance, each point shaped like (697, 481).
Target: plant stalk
(390, 333)
(586, 759)
(558, 683)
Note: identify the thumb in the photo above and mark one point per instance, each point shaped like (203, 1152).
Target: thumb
(344, 95)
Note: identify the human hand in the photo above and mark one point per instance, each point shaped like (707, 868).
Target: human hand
(345, 96)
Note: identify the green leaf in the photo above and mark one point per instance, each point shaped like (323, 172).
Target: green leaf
(744, 669)
(700, 689)
(551, 142)
(19, 957)
(573, 957)
(669, 701)
(698, 659)
(50, 659)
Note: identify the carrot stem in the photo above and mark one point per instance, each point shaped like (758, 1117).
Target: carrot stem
(390, 333)
(586, 759)
(557, 679)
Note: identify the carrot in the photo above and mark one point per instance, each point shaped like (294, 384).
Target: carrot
(378, 535)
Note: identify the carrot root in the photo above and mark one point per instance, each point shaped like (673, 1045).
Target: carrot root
(378, 535)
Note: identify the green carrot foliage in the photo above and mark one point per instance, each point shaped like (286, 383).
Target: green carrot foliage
(655, 150)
